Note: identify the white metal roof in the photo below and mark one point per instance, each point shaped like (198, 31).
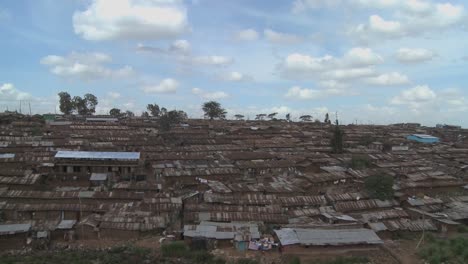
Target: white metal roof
(7, 155)
(95, 155)
(66, 224)
(98, 176)
(11, 229)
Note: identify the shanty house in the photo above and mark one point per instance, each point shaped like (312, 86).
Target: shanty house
(13, 236)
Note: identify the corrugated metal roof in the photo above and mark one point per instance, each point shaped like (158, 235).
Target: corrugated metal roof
(98, 177)
(7, 155)
(323, 237)
(11, 229)
(66, 224)
(95, 155)
(287, 236)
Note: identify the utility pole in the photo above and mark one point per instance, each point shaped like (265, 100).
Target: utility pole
(20, 107)
(30, 113)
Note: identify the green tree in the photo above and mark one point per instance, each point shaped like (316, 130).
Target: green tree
(153, 109)
(66, 104)
(272, 115)
(168, 120)
(239, 117)
(129, 113)
(214, 110)
(79, 105)
(379, 186)
(115, 112)
(327, 119)
(91, 102)
(144, 114)
(260, 116)
(306, 118)
(336, 141)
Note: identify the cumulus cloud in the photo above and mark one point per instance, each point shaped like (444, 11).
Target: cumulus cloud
(409, 18)
(216, 95)
(131, 19)
(406, 55)
(356, 63)
(235, 76)
(281, 38)
(114, 95)
(299, 93)
(393, 78)
(181, 46)
(9, 92)
(303, 5)
(213, 60)
(165, 86)
(246, 35)
(415, 96)
(84, 66)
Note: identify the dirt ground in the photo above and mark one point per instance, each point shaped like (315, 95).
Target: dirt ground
(392, 252)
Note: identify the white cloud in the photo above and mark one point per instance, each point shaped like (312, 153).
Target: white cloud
(213, 60)
(247, 35)
(410, 18)
(181, 46)
(356, 63)
(165, 86)
(393, 78)
(216, 95)
(85, 66)
(281, 38)
(9, 92)
(362, 57)
(298, 93)
(131, 19)
(235, 77)
(303, 5)
(406, 55)
(114, 95)
(415, 96)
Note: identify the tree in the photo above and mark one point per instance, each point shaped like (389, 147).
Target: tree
(327, 119)
(260, 116)
(272, 115)
(66, 104)
(214, 110)
(163, 111)
(337, 139)
(153, 109)
(171, 118)
(91, 102)
(115, 112)
(129, 113)
(144, 114)
(79, 105)
(288, 117)
(379, 186)
(306, 118)
(239, 117)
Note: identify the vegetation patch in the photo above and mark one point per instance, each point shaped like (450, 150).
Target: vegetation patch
(447, 251)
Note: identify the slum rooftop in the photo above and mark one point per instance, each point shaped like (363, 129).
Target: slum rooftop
(205, 175)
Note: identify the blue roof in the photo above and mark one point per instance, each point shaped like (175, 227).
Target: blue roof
(424, 136)
(94, 155)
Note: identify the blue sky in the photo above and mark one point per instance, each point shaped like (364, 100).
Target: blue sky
(374, 61)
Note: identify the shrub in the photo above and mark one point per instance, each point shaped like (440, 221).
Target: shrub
(177, 249)
(380, 186)
(360, 162)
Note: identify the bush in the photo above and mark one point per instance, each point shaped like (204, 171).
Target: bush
(380, 186)
(462, 229)
(246, 261)
(295, 260)
(360, 162)
(177, 249)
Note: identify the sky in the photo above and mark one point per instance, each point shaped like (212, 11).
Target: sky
(365, 61)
